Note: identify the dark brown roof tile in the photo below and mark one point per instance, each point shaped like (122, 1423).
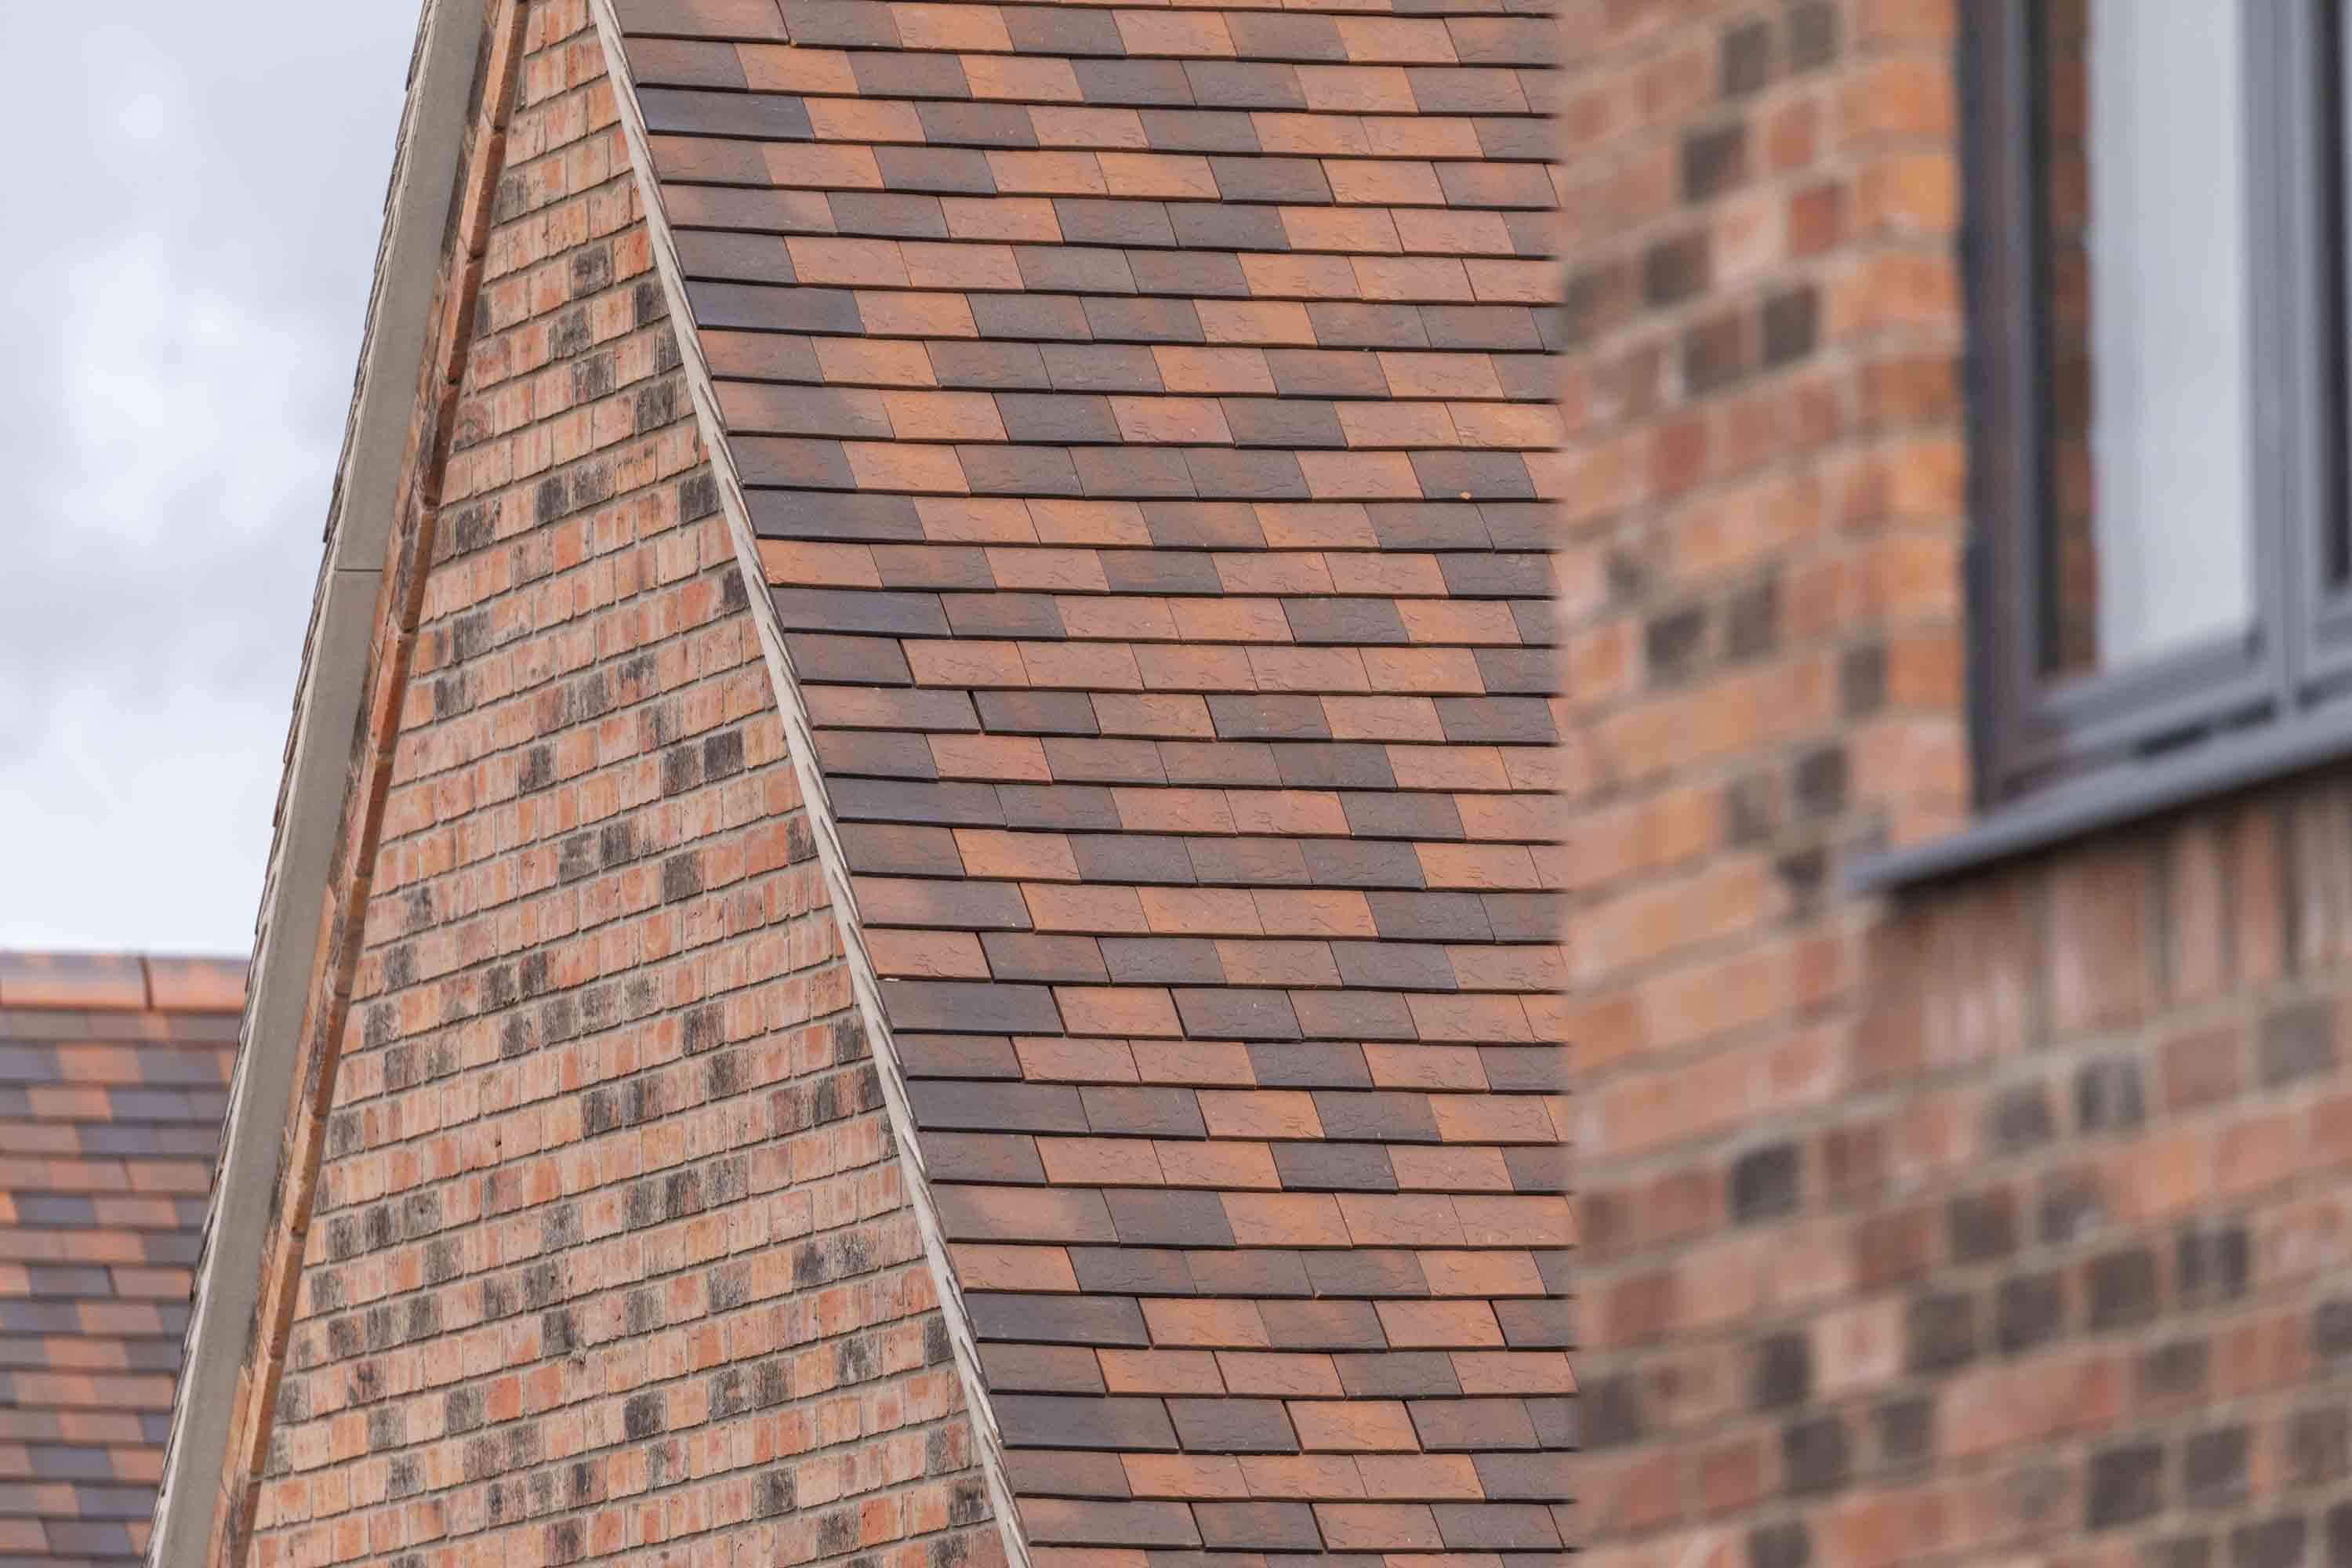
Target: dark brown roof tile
(946, 805)
(1052, 1421)
(1254, 1272)
(1057, 1319)
(1355, 1167)
(1535, 1477)
(1169, 1218)
(1062, 30)
(1142, 1270)
(1159, 1113)
(1076, 808)
(1025, 1107)
(1132, 82)
(1043, 958)
(1233, 1425)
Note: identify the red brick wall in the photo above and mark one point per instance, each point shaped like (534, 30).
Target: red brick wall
(2006, 1221)
(610, 1255)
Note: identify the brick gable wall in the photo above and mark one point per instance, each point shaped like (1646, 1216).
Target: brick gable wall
(2002, 1222)
(609, 1256)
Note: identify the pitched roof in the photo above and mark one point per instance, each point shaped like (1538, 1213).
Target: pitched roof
(113, 1074)
(1146, 421)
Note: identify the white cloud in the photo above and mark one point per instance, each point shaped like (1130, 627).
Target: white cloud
(209, 204)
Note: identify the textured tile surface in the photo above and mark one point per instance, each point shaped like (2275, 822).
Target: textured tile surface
(113, 1083)
(1147, 415)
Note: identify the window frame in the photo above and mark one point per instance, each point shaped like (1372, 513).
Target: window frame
(2091, 734)
(2322, 611)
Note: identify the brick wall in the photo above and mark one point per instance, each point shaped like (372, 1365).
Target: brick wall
(2006, 1221)
(609, 1256)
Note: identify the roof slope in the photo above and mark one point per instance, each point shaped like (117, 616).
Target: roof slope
(113, 1081)
(1146, 418)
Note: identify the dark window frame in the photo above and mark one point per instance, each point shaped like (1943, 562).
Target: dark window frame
(2033, 731)
(2056, 759)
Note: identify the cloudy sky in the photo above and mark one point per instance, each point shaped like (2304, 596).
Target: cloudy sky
(192, 216)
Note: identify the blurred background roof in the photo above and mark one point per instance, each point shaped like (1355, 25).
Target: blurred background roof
(113, 1084)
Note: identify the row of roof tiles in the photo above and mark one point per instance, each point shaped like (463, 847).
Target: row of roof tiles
(120, 982)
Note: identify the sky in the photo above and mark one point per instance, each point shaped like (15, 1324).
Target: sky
(193, 215)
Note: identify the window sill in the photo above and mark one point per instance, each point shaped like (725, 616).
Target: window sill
(2078, 810)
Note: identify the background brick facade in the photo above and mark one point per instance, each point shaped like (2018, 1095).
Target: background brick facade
(609, 1253)
(2004, 1221)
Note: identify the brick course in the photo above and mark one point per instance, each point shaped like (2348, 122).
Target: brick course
(2001, 1221)
(609, 1254)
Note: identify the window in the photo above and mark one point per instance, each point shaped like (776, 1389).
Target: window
(2156, 294)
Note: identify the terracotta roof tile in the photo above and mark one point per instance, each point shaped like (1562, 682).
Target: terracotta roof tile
(113, 1083)
(1147, 418)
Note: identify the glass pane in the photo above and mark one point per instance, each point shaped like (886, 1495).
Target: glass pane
(2144, 171)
